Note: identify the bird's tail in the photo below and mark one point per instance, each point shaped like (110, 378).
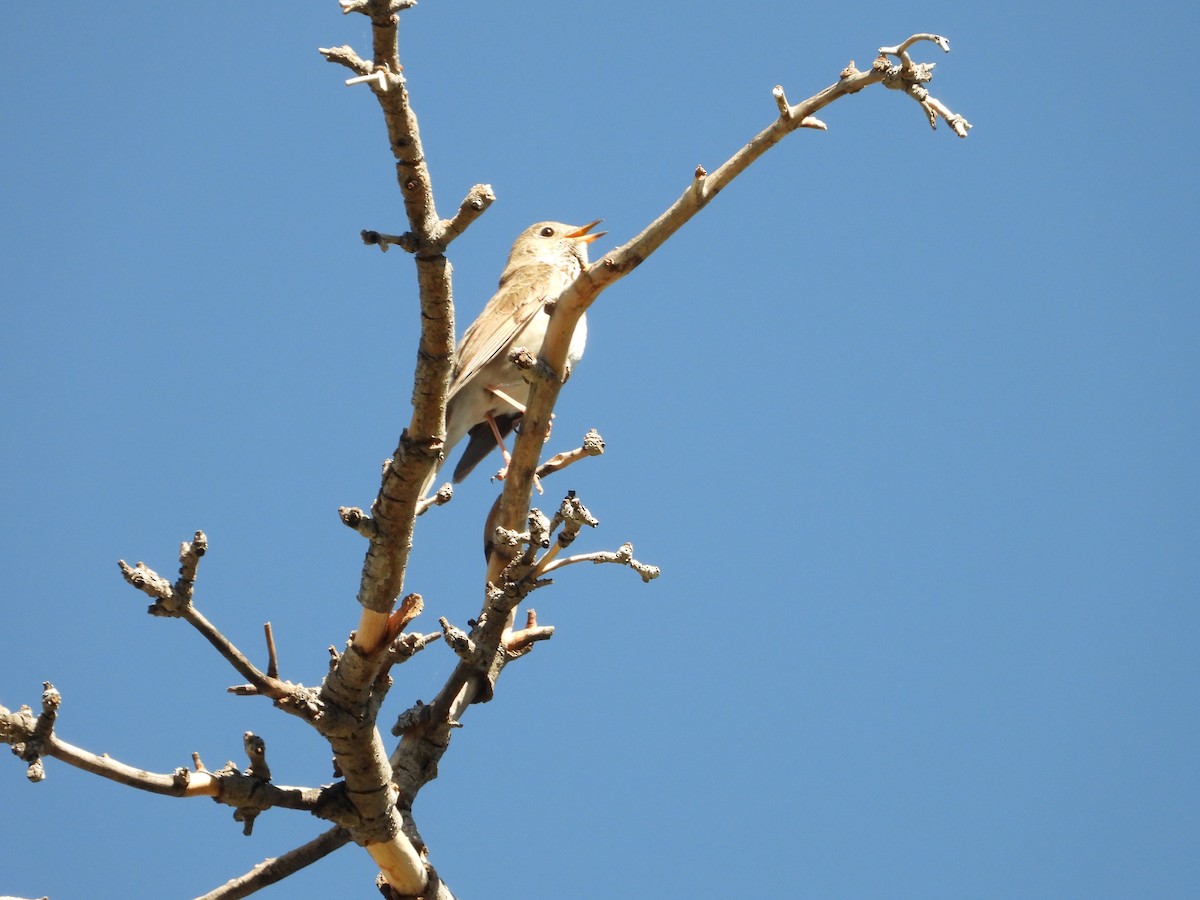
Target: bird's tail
(482, 442)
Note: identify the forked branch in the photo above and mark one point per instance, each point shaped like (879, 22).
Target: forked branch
(465, 686)
(618, 263)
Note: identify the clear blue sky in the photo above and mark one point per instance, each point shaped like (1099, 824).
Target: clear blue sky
(909, 422)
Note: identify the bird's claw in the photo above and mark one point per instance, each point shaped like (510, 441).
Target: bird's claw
(503, 473)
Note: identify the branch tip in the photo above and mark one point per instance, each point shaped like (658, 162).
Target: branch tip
(459, 641)
(256, 751)
(901, 49)
(785, 109)
(379, 77)
(407, 646)
(406, 242)
(593, 445)
(345, 56)
(474, 205)
(353, 517)
(410, 607)
(376, 9)
(518, 643)
(272, 659)
(623, 555)
(440, 497)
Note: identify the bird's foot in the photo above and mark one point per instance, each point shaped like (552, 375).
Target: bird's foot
(503, 473)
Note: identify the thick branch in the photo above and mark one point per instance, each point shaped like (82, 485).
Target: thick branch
(352, 685)
(420, 445)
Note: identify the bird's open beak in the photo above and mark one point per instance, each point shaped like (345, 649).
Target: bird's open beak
(582, 233)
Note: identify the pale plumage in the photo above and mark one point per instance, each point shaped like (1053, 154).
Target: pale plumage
(486, 388)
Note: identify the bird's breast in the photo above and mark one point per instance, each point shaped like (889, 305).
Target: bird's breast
(578, 340)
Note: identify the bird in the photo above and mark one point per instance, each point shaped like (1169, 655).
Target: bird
(488, 393)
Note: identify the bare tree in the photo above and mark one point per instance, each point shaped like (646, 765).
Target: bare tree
(371, 802)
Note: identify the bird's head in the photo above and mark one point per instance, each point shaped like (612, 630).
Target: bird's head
(553, 243)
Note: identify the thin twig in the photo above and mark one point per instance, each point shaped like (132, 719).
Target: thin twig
(269, 871)
(272, 659)
(622, 556)
(20, 727)
(593, 445)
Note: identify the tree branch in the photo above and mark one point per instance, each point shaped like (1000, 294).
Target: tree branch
(618, 263)
(175, 601)
(372, 805)
(230, 786)
(280, 867)
(622, 556)
(593, 445)
(356, 684)
(419, 447)
(464, 687)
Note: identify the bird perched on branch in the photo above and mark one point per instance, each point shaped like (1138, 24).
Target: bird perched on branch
(488, 392)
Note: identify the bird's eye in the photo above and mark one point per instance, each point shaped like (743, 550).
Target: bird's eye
(547, 231)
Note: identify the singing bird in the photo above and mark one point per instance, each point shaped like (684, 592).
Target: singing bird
(487, 391)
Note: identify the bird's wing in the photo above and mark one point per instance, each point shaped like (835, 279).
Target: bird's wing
(512, 307)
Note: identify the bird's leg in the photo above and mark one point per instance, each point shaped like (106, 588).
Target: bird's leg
(491, 420)
(519, 407)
